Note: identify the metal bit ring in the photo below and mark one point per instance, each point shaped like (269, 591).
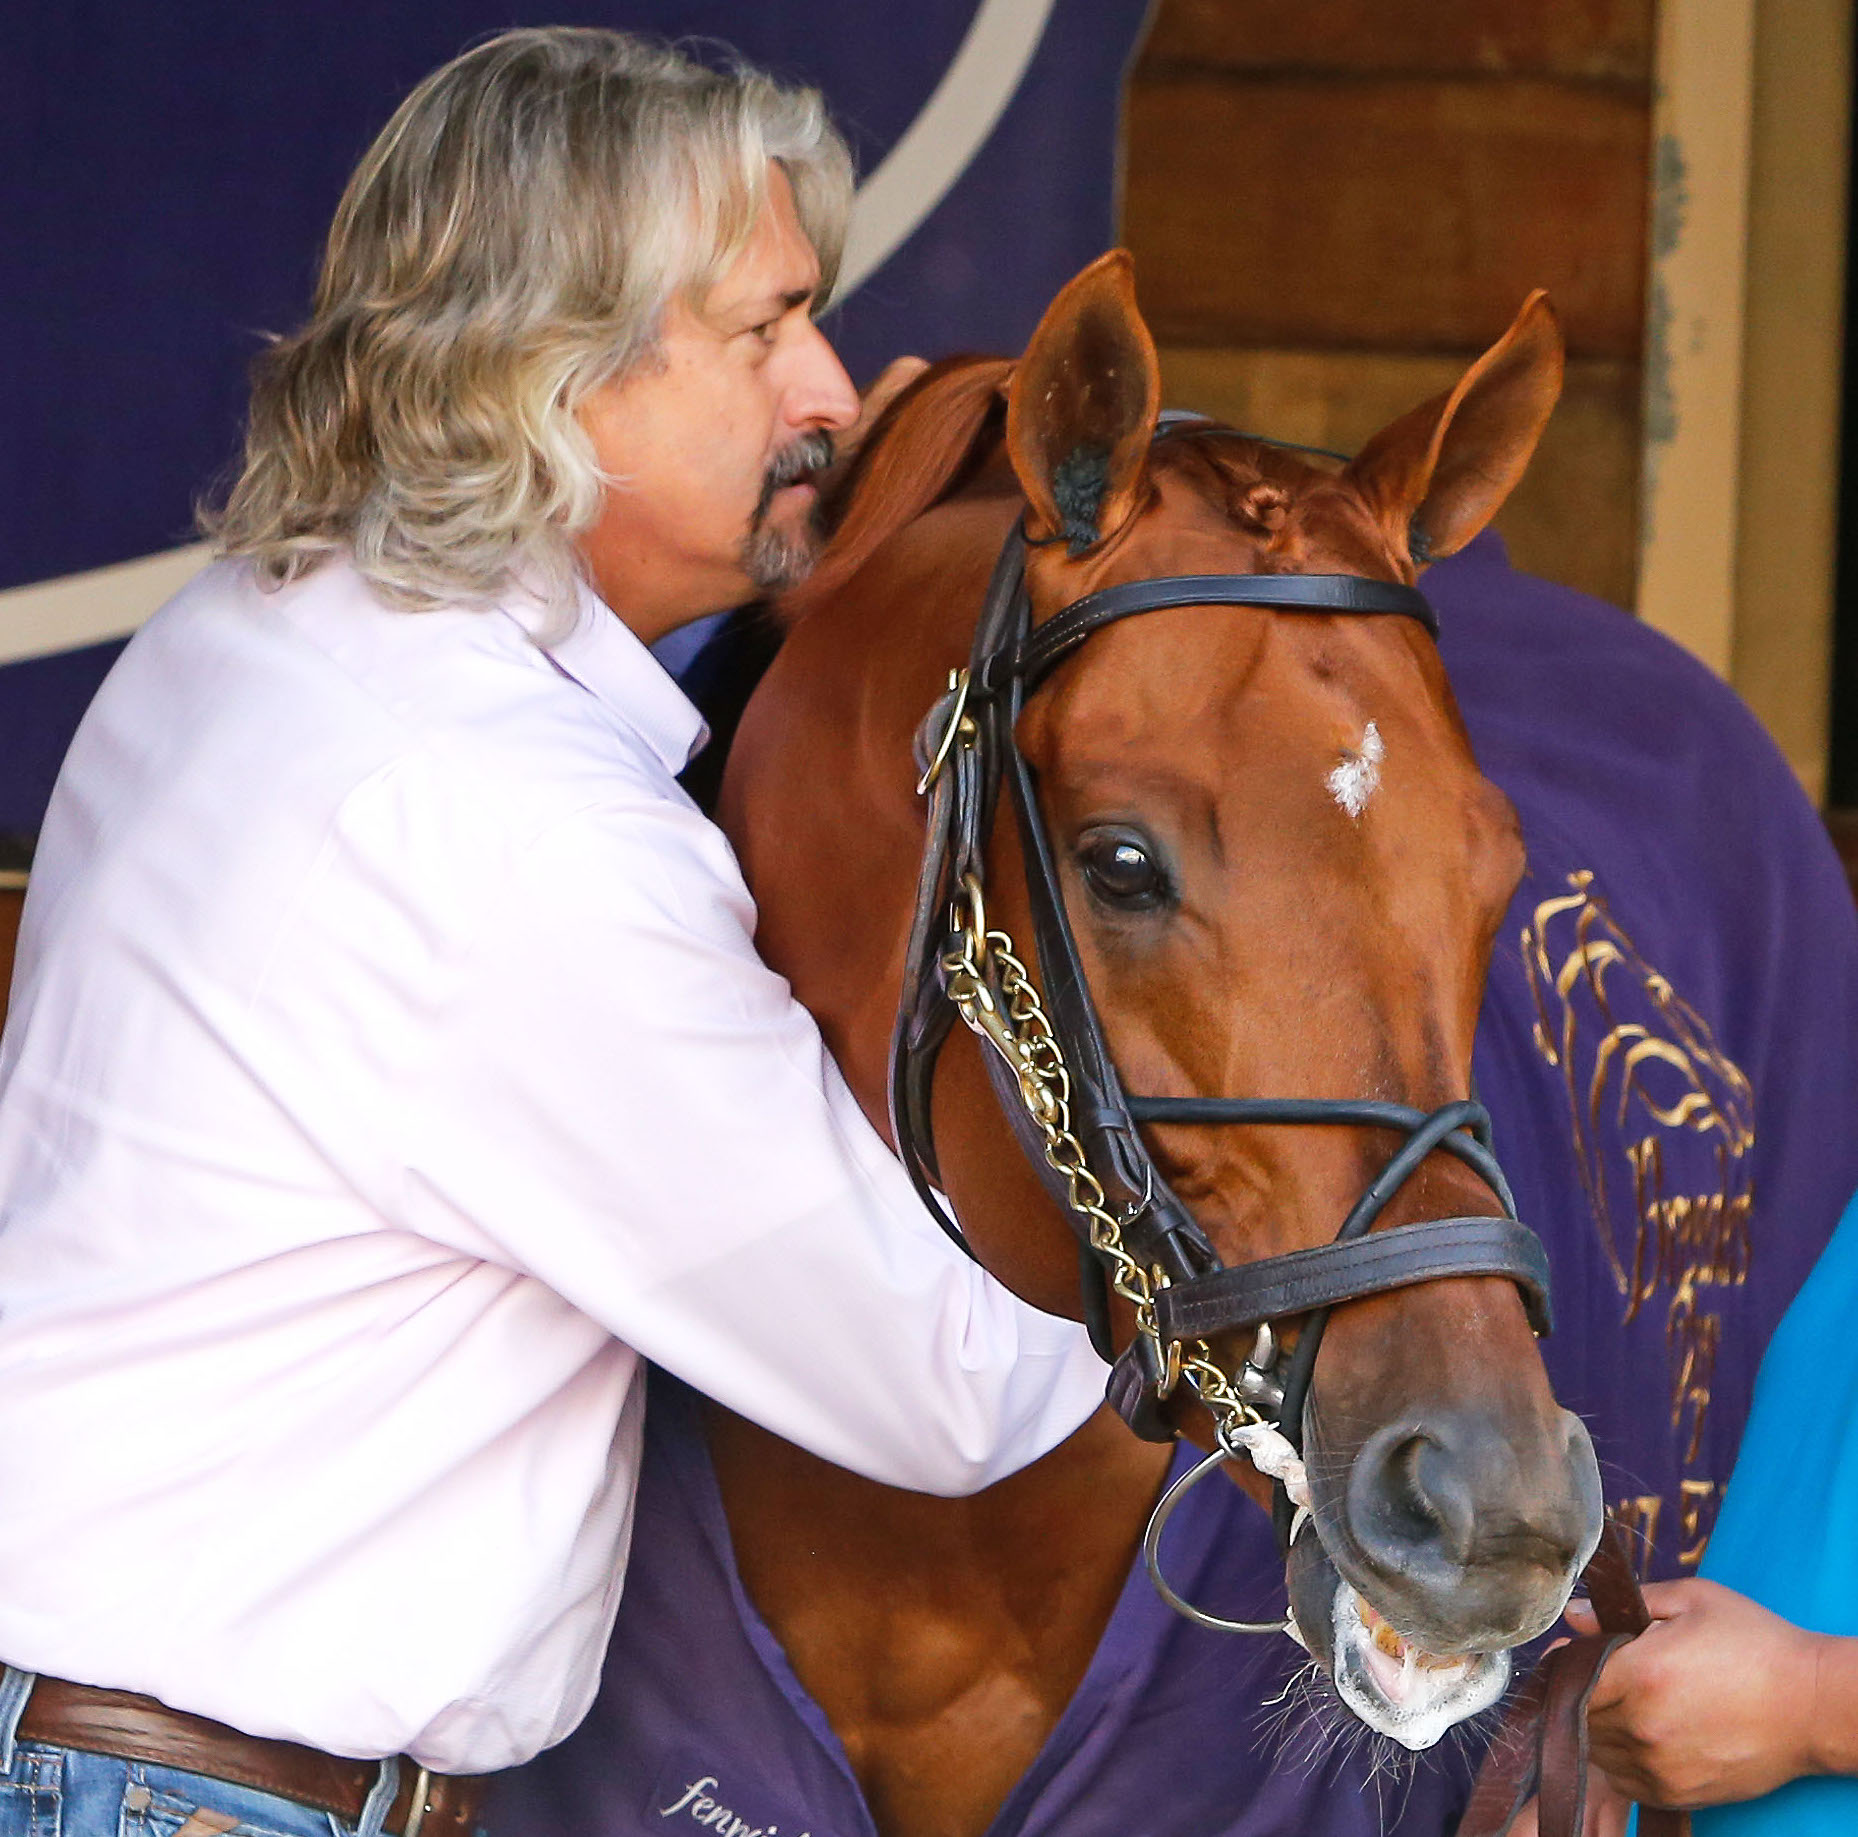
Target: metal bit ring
(1151, 1555)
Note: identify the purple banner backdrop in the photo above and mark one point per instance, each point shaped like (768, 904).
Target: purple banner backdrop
(167, 174)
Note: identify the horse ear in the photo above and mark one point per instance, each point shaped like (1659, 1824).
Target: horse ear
(1081, 408)
(1436, 476)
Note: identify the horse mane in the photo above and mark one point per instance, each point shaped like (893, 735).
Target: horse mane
(920, 448)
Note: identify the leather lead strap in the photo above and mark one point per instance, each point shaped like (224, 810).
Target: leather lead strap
(923, 1018)
(1573, 1670)
(1541, 1746)
(1612, 1587)
(1513, 1764)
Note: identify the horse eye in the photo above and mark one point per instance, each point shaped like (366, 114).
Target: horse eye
(1121, 869)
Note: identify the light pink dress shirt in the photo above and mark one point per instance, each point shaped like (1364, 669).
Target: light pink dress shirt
(389, 1072)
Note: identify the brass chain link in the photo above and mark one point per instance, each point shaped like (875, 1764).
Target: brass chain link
(1022, 1035)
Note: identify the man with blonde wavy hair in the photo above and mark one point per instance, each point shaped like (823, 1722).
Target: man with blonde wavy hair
(389, 1070)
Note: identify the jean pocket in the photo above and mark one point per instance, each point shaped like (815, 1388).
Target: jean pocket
(31, 1801)
(178, 1805)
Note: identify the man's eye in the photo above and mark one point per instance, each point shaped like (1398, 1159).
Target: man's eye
(767, 330)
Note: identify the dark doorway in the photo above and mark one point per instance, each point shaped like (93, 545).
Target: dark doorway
(1842, 768)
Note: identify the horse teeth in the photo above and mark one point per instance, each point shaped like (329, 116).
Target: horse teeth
(1394, 1646)
(1384, 1638)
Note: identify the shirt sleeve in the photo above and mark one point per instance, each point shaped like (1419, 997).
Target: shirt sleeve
(626, 1103)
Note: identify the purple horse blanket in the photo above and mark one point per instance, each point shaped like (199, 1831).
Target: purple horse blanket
(702, 1727)
(1669, 1047)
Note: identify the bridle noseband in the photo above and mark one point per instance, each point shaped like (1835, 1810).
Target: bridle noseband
(1058, 1087)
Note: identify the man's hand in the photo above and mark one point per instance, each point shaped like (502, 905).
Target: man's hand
(896, 376)
(893, 379)
(1718, 1700)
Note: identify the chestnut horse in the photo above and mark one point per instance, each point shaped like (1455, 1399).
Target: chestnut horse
(1285, 872)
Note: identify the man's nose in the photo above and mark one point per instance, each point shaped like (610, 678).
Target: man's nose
(820, 393)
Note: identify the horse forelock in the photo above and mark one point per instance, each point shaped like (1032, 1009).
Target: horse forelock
(1297, 512)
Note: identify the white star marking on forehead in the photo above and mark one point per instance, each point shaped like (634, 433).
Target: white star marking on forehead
(1357, 778)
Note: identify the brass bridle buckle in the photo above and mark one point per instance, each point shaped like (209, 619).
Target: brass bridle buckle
(959, 727)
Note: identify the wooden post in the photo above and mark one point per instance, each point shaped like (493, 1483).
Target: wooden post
(1693, 331)
(1793, 339)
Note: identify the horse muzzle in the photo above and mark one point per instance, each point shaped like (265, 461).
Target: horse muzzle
(1438, 1547)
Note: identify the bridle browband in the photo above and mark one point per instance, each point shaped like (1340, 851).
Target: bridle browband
(1059, 1089)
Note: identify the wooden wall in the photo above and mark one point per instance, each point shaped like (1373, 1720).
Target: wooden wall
(1334, 208)
(12, 898)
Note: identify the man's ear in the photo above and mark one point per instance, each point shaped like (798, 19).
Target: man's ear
(1436, 476)
(1081, 408)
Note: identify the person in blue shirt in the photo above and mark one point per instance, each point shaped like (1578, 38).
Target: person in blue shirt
(1741, 1701)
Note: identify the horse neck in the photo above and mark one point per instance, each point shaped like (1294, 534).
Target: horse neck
(819, 799)
(878, 1595)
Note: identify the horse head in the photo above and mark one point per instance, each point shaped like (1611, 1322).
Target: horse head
(1282, 874)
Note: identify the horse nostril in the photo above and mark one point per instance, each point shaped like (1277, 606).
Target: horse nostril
(1464, 1537)
(1408, 1495)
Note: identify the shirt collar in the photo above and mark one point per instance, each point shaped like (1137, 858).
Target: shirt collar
(596, 648)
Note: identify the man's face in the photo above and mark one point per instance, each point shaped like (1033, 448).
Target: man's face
(711, 444)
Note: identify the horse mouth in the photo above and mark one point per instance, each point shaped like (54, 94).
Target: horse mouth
(1393, 1684)
(1396, 1687)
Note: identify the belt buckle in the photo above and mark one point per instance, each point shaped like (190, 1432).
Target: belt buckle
(416, 1809)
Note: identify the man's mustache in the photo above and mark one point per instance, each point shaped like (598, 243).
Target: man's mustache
(797, 460)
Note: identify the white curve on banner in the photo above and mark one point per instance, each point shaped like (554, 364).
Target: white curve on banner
(936, 149)
(91, 608)
(76, 610)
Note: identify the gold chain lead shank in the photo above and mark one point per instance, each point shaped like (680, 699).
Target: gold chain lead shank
(1014, 1024)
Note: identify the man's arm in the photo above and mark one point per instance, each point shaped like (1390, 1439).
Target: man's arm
(628, 1104)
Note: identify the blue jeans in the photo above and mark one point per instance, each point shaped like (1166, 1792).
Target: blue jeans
(48, 1791)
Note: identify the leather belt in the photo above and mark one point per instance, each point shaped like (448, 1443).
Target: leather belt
(130, 1727)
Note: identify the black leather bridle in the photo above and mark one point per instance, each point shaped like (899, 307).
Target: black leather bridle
(968, 746)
